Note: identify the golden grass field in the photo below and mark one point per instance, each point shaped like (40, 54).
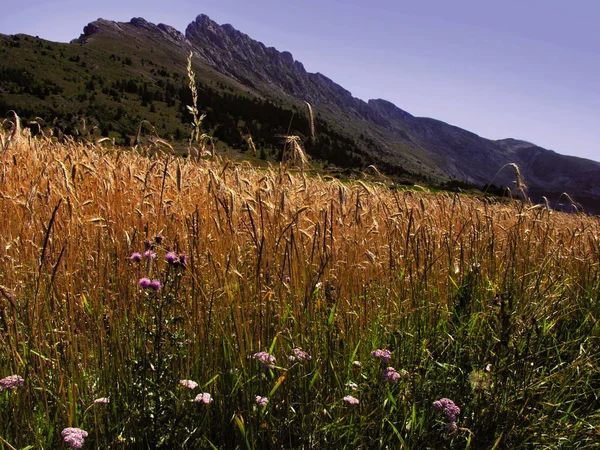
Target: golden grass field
(276, 260)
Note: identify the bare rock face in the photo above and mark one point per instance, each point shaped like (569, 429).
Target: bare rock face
(421, 145)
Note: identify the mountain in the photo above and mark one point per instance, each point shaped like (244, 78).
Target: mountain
(249, 89)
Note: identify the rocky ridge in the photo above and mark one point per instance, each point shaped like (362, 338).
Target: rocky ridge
(420, 145)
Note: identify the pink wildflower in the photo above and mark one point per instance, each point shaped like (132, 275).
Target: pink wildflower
(189, 384)
(155, 285)
(261, 401)
(265, 359)
(172, 258)
(144, 283)
(135, 257)
(391, 375)
(351, 400)
(302, 355)
(382, 355)
(11, 383)
(74, 437)
(203, 398)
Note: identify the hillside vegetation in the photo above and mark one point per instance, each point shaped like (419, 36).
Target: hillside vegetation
(312, 313)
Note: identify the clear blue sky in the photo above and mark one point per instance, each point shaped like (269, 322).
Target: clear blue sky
(523, 69)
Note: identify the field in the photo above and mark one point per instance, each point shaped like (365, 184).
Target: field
(124, 272)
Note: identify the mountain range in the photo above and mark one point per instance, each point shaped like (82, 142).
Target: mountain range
(113, 68)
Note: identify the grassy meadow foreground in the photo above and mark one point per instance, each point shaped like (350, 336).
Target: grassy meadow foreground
(154, 301)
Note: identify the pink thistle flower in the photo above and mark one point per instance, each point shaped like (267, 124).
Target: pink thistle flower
(159, 238)
(74, 437)
(203, 398)
(261, 401)
(144, 283)
(351, 400)
(135, 257)
(172, 258)
(183, 260)
(11, 383)
(301, 354)
(155, 285)
(382, 355)
(150, 254)
(189, 384)
(102, 400)
(265, 359)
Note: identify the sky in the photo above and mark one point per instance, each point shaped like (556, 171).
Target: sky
(526, 69)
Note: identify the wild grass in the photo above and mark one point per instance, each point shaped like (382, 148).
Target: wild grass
(492, 305)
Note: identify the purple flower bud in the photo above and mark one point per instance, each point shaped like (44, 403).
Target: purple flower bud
(183, 260)
(155, 285)
(159, 238)
(144, 283)
(135, 257)
(147, 244)
(451, 427)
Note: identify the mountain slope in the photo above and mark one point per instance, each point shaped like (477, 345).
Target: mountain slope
(249, 89)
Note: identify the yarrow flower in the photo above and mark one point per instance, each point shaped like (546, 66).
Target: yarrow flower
(261, 401)
(382, 355)
(356, 364)
(352, 385)
(188, 384)
(11, 383)
(390, 374)
(449, 408)
(203, 398)
(301, 354)
(74, 437)
(265, 359)
(351, 400)
(135, 257)
(102, 400)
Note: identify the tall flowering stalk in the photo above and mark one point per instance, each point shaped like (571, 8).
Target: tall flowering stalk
(159, 288)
